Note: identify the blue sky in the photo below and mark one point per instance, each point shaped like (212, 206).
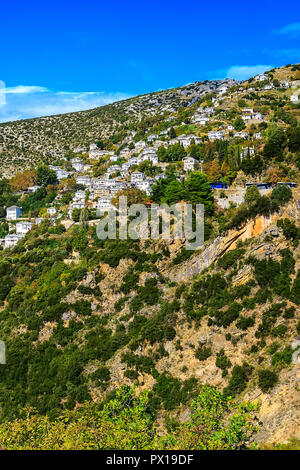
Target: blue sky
(63, 56)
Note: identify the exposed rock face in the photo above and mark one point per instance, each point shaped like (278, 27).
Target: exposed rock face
(261, 225)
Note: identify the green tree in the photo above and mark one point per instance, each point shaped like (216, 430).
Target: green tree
(172, 133)
(198, 190)
(217, 422)
(275, 144)
(293, 135)
(281, 194)
(45, 175)
(239, 124)
(252, 195)
(289, 228)
(173, 192)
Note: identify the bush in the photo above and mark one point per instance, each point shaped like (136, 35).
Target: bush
(222, 361)
(245, 322)
(267, 379)
(202, 353)
(239, 378)
(282, 357)
(281, 195)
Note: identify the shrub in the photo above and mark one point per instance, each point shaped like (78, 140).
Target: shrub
(222, 361)
(281, 195)
(267, 379)
(282, 357)
(245, 322)
(239, 378)
(202, 353)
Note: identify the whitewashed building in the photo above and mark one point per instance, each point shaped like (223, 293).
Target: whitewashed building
(104, 204)
(84, 180)
(77, 164)
(213, 135)
(11, 240)
(261, 77)
(23, 227)
(189, 163)
(137, 176)
(51, 210)
(247, 151)
(13, 212)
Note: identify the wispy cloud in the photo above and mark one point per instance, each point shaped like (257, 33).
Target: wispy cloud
(23, 90)
(243, 72)
(291, 29)
(23, 102)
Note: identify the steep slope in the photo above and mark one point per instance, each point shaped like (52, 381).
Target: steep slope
(79, 325)
(48, 138)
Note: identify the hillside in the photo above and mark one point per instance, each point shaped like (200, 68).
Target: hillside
(137, 343)
(47, 138)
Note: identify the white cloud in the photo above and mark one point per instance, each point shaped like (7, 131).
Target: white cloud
(22, 89)
(291, 29)
(243, 72)
(24, 102)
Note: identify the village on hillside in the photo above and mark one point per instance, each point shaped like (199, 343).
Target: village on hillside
(228, 138)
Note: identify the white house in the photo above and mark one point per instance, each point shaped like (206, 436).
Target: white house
(202, 120)
(13, 212)
(23, 227)
(137, 176)
(189, 163)
(230, 127)
(150, 156)
(295, 98)
(144, 186)
(186, 140)
(113, 169)
(79, 195)
(104, 204)
(247, 151)
(95, 153)
(76, 164)
(33, 189)
(51, 210)
(246, 117)
(75, 205)
(140, 145)
(212, 135)
(62, 174)
(84, 180)
(257, 116)
(80, 149)
(261, 77)
(11, 240)
(124, 173)
(242, 134)
(152, 137)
